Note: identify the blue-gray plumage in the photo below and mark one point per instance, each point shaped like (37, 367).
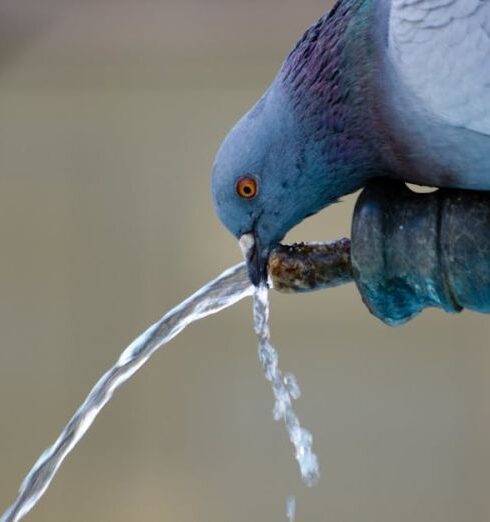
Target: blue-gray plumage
(393, 88)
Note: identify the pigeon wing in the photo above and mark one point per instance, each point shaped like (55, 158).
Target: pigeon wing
(441, 51)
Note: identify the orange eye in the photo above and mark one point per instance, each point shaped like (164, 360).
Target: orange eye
(246, 187)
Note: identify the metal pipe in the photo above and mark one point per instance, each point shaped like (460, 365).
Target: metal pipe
(408, 251)
(305, 267)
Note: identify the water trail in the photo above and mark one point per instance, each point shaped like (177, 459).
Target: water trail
(229, 288)
(285, 389)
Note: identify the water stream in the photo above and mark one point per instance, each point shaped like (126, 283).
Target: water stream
(285, 389)
(224, 291)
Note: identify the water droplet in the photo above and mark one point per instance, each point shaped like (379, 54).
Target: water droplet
(291, 508)
(292, 386)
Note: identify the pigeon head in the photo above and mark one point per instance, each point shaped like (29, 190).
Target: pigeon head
(258, 189)
(310, 140)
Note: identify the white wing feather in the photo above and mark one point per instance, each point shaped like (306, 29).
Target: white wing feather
(441, 52)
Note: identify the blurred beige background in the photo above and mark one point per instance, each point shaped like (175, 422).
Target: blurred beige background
(110, 114)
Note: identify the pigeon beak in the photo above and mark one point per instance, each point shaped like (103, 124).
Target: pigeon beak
(256, 257)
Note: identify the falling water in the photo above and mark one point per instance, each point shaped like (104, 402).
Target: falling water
(224, 291)
(285, 389)
(229, 288)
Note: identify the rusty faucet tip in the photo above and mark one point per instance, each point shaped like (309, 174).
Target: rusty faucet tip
(306, 267)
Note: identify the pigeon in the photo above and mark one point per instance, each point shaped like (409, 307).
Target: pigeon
(374, 89)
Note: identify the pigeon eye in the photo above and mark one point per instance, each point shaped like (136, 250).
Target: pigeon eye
(246, 187)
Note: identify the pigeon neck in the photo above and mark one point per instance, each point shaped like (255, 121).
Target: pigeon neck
(328, 78)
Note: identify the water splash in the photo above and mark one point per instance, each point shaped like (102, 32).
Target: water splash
(285, 389)
(226, 290)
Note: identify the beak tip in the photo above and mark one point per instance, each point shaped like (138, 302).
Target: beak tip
(256, 258)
